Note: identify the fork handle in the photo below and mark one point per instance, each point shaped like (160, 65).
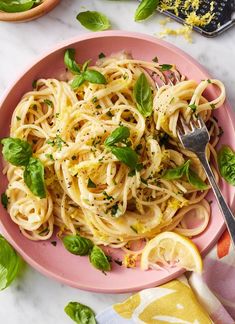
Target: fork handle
(226, 211)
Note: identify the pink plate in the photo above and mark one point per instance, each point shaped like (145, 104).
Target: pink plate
(56, 262)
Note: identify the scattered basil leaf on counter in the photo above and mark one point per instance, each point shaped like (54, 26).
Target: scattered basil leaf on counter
(91, 184)
(10, 263)
(93, 20)
(99, 260)
(176, 173)
(16, 151)
(226, 163)
(145, 9)
(78, 245)
(79, 313)
(4, 200)
(70, 62)
(118, 135)
(34, 177)
(143, 96)
(94, 76)
(16, 5)
(126, 155)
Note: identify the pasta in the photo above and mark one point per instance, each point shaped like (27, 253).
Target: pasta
(88, 189)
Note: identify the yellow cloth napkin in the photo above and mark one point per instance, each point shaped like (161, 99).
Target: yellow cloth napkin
(173, 302)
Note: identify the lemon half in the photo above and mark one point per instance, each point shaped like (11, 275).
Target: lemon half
(169, 248)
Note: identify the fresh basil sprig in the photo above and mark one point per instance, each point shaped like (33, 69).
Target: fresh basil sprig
(184, 170)
(78, 245)
(34, 177)
(82, 74)
(17, 5)
(143, 96)
(19, 153)
(93, 20)
(80, 314)
(10, 263)
(118, 135)
(145, 9)
(226, 163)
(16, 151)
(99, 260)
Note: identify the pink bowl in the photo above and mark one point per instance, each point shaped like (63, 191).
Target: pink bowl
(56, 262)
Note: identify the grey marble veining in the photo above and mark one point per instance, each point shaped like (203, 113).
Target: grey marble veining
(34, 298)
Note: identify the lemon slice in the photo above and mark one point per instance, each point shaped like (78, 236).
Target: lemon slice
(169, 248)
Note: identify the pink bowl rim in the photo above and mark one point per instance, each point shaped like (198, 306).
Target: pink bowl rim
(87, 36)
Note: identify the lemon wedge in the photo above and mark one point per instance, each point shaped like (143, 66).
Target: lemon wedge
(169, 248)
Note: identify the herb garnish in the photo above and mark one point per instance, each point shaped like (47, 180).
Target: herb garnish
(82, 73)
(226, 163)
(165, 67)
(91, 184)
(102, 55)
(184, 170)
(4, 200)
(143, 96)
(193, 107)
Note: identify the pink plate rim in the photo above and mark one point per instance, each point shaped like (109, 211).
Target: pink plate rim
(80, 38)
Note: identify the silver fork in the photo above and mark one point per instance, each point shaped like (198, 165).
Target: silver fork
(195, 138)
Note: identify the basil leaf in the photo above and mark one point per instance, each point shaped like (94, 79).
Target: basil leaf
(94, 76)
(145, 9)
(143, 96)
(99, 260)
(16, 5)
(165, 67)
(126, 155)
(195, 181)
(16, 151)
(4, 200)
(77, 82)
(70, 62)
(176, 173)
(79, 313)
(34, 177)
(93, 20)
(78, 245)
(118, 135)
(9, 263)
(226, 163)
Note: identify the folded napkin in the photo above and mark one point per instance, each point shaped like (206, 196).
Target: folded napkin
(190, 299)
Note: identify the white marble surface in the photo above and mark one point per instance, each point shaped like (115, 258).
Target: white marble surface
(34, 298)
